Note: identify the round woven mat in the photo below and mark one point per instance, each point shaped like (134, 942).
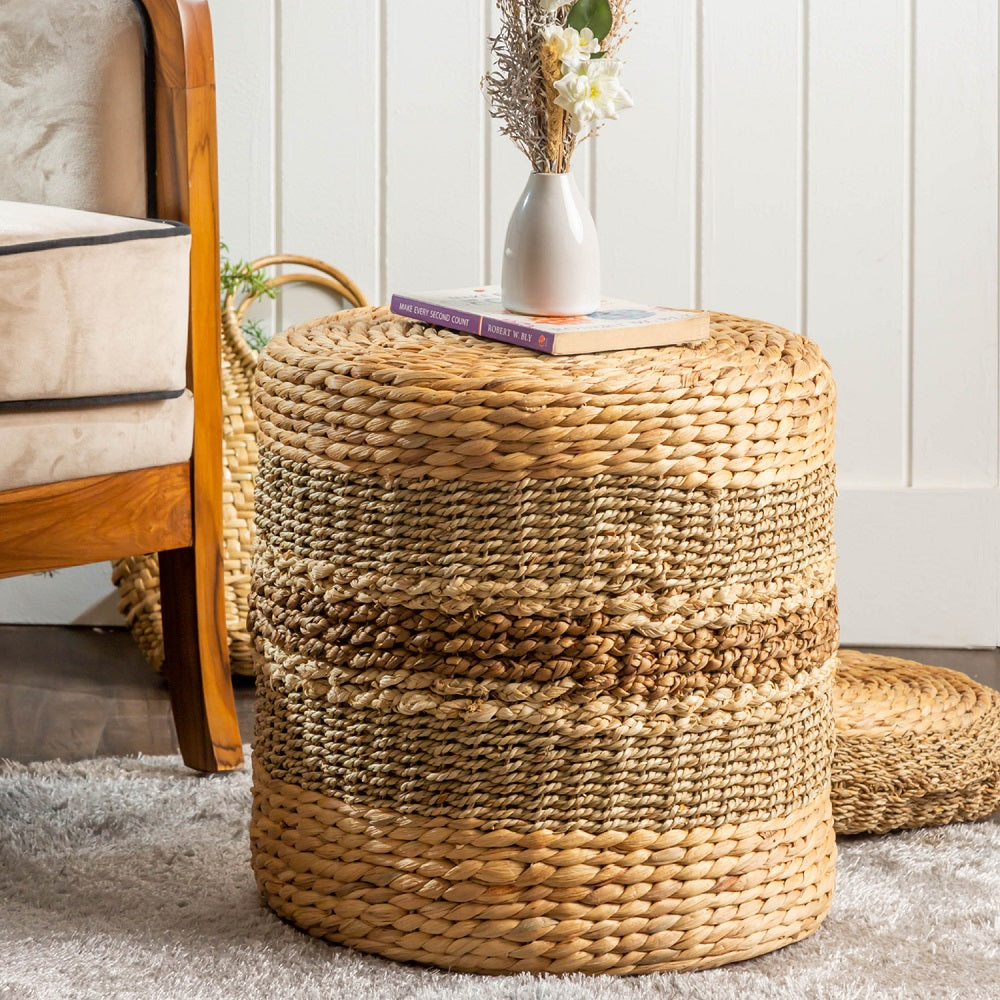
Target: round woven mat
(916, 745)
(546, 646)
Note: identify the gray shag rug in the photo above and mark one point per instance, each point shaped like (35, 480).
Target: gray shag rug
(131, 878)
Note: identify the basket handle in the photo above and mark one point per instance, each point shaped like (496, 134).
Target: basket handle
(329, 277)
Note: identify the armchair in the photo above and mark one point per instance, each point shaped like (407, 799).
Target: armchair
(126, 127)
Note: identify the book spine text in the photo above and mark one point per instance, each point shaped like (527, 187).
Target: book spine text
(435, 315)
(514, 333)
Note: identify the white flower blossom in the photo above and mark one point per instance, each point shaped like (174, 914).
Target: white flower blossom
(592, 93)
(553, 5)
(572, 47)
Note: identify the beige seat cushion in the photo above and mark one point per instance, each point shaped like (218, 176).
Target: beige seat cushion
(47, 446)
(72, 104)
(90, 304)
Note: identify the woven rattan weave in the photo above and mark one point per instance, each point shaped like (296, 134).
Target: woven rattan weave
(545, 646)
(916, 745)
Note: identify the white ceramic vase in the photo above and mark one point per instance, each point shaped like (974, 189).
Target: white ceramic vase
(551, 258)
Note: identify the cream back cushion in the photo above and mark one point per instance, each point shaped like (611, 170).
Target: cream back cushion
(72, 104)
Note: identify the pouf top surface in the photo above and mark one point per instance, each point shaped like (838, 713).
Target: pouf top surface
(367, 391)
(885, 694)
(392, 350)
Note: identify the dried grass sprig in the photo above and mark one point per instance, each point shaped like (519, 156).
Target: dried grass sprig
(621, 11)
(512, 88)
(520, 89)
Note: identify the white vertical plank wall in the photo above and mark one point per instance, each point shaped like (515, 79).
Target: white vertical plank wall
(855, 285)
(750, 160)
(829, 165)
(655, 151)
(327, 142)
(955, 244)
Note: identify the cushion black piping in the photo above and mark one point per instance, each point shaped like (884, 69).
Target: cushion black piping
(172, 229)
(79, 402)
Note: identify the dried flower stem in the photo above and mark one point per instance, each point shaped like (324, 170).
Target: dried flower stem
(519, 88)
(556, 123)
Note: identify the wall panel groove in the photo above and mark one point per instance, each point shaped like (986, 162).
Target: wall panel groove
(486, 157)
(910, 132)
(275, 306)
(802, 249)
(379, 166)
(698, 158)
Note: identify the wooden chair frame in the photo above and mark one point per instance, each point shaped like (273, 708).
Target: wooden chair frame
(175, 510)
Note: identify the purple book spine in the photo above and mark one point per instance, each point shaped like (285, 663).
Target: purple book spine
(489, 327)
(514, 333)
(434, 315)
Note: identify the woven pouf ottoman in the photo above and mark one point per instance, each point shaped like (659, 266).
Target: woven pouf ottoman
(545, 646)
(916, 745)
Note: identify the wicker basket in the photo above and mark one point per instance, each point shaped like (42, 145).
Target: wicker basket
(546, 646)
(138, 577)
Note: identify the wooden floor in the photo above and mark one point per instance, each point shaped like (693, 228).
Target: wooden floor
(74, 693)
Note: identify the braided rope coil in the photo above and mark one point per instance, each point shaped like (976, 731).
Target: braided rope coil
(916, 745)
(545, 647)
(452, 894)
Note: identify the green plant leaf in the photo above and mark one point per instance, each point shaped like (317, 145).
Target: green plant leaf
(593, 14)
(238, 276)
(254, 335)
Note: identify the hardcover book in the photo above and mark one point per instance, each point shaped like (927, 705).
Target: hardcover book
(616, 326)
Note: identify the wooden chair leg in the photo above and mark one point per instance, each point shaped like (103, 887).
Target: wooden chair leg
(196, 659)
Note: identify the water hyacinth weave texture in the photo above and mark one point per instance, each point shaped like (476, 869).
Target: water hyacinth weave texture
(916, 745)
(546, 646)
